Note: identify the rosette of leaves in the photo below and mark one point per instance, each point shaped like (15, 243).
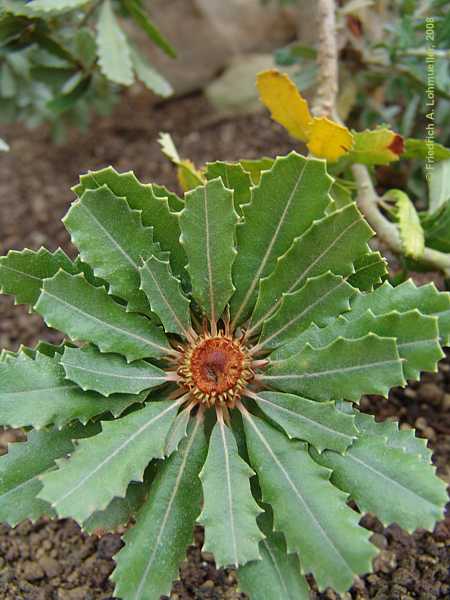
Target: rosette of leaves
(217, 347)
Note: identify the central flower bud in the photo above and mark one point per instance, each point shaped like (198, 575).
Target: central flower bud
(216, 369)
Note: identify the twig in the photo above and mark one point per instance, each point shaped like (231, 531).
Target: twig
(325, 103)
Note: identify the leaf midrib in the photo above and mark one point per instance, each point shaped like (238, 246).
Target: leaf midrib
(105, 323)
(269, 248)
(119, 449)
(331, 371)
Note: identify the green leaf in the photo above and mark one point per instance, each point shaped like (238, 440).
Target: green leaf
(255, 167)
(229, 511)
(412, 495)
(330, 244)
(404, 439)
(143, 21)
(208, 230)
(149, 76)
(113, 241)
(439, 185)
(408, 222)
(318, 423)
(22, 273)
(407, 296)
(120, 510)
(84, 312)
(123, 449)
(376, 147)
(277, 575)
(156, 545)
(417, 337)
(326, 534)
(165, 296)
(234, 178)
(318, 301)
(109, 373)
(155, 203)
(294, 193)
(343, 369)
(20, 468)
(114, 55)
(421, 149)
(370, 271)
(36, 393)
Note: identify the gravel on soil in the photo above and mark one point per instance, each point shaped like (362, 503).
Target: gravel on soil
(54, 560)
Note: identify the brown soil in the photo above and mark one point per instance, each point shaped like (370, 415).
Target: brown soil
(53, 560)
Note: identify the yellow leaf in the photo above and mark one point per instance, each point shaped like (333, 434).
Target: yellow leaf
(287, 107)
(324, 138)
(189, 177)
(328, 139)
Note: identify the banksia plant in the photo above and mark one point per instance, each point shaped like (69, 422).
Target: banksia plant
(216, 350)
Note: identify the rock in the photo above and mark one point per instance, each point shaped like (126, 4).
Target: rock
(33, 571)
(212, 32)
(234, 92)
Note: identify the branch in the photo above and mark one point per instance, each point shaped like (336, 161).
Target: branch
(325, 103)
(386, 231)
(327, 59)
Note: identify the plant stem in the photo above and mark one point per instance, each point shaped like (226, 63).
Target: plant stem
(325, 101)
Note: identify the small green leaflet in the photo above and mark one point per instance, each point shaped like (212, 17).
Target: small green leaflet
(70, 304)
(408, 222)
(124, 448)
(277, 575)
(25, 461)
(318, 301)
(330, 244)
(318, 423)
(155, 203)
(417, 337)
(109, 373)
(208, 231)
(22, 273)
(407, 296)
(113, 241)
(370, 271)
(326, 535)
(143, 21)
(234, 178)
(229, 510)
(114, 56)
(343, 369)
(436, 227)
(165, 296)
(301, 188)
(36, 392)
(154, 548)
(149, 76)
(412, 495)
